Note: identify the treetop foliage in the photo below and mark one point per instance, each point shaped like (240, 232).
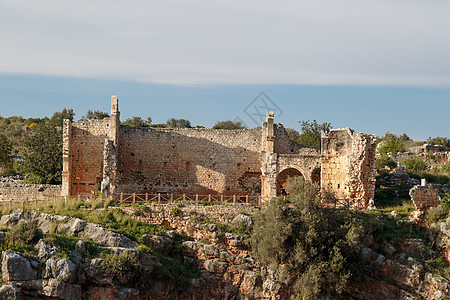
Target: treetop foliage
(135, 122)
(310, 133)
(95, 115)
(178, 123)
(59, 116)
(391, 143)
(229, 125)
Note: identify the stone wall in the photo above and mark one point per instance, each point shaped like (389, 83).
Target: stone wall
(425, 196)
(348, 166)
(259, 161)
(18, 192)
(199, 161)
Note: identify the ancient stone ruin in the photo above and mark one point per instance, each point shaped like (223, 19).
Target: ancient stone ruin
(102, 155)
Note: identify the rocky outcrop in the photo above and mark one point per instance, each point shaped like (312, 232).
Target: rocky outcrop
(70, 226)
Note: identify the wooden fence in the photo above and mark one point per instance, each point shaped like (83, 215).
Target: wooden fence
(171, 198)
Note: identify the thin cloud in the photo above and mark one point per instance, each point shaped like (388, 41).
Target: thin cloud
(250, 42)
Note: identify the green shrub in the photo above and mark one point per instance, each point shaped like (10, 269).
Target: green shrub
(22, 236)
(175, 212)
(320, 246)
(438, 213)
(384, 161)
(119, 263)
(414, 165)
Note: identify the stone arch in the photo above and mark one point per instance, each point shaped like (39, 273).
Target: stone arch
(315, 176)
(283, 177)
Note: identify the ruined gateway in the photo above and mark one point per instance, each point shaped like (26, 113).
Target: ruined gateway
(104, 155)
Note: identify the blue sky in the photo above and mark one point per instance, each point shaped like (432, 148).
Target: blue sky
(375, 66)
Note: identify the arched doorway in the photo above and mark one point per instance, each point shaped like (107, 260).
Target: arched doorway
(315, 176)
(282, 179)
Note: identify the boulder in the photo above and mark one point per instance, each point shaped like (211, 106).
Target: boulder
(9, 292)
(63, 270)
(215, 266)
(15, 267)
(13, 218)
(157, 241)
(243, 221)
(53, 288)
(45, 251)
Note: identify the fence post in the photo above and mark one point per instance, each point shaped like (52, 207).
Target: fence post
(246, 199)
(259, 200)
(234, 198)
(184, 197)
(121, 197)
(171, 197)
(221, 197)
(209, 198)
(196, 198)
(159, 198)
(146, 197)
(134, 198)
(10, 203)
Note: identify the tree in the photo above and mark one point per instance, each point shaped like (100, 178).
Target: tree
(178, 123)
(311, 133)
(293, 134)
(391, 143)
(58, 117)
(43, 154)
(149, 121)
(320, 247)
(443, 141)
(95, 115)
(5, 152)
(135, 122)
(229, 125)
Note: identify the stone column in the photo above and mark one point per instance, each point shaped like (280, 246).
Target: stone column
(109, 169)
(67, 158)
(269, 167)
(115, 120)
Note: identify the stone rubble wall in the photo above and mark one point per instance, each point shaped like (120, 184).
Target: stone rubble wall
(87, 143)
(20, 192)
(348, 166)
(200, 161)
(425, 197)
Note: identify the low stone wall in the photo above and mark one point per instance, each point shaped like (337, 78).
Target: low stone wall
(189, 214)
(425, 196)
(18, 192)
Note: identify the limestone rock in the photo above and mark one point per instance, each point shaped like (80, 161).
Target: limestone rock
(45, 251)
(63, 270)
(245, 221)
(9, 292)
(157, 241)
(13, 218)
(215, 266)
(53, 288)
(15, 267)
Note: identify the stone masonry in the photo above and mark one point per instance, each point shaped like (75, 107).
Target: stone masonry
(104, 156)
(425, 196)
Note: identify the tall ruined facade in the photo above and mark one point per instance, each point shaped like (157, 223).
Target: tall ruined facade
(102, 156)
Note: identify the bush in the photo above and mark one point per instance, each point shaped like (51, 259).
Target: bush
(414, 165)
(391, 143)
(437, 214)
(320, 246)
(384, 161)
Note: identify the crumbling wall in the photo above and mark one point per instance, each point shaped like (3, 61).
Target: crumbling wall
(425, 196)
(20, 192)
(199, 161)
(87, 140)
(348, 166)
